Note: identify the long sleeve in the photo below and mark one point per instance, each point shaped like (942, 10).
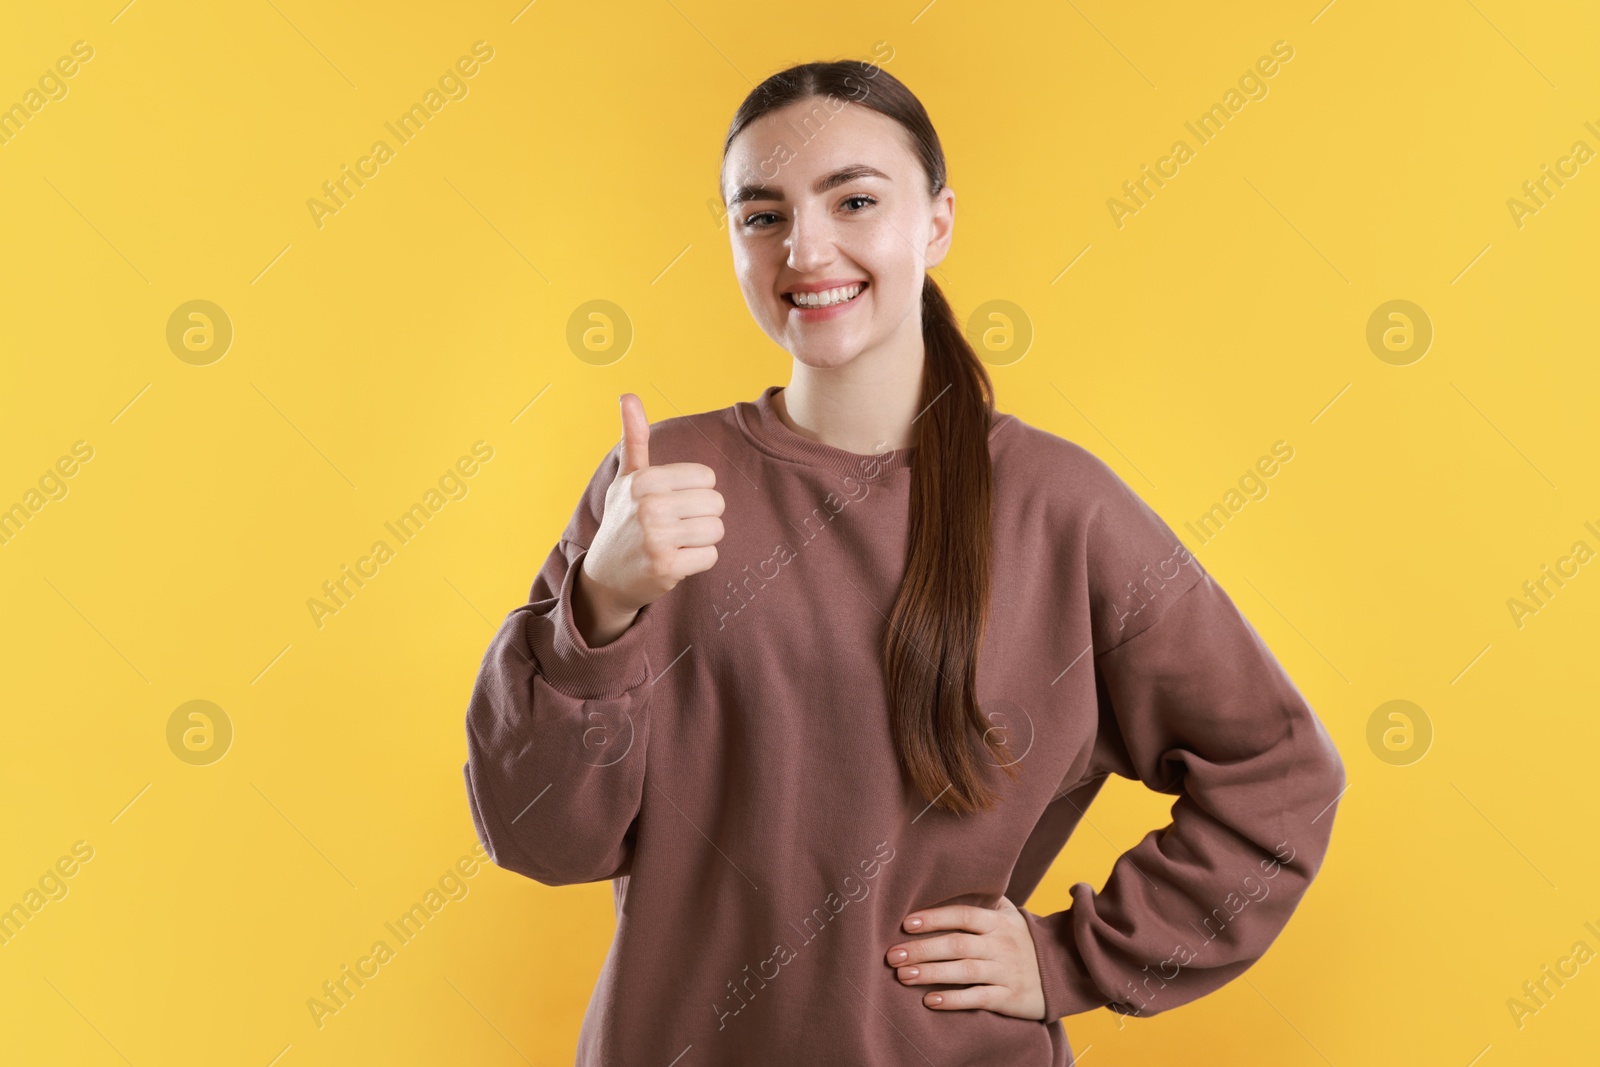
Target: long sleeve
(556, 730)
(1191, 703)
(1194, 705)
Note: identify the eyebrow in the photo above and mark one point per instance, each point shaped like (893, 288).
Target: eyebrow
(828, 181)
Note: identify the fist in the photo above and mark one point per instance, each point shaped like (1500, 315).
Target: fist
(660, 524)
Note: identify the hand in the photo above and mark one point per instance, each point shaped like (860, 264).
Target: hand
(996, 958)
(659, 526)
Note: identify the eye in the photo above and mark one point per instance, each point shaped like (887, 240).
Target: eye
(751, 223)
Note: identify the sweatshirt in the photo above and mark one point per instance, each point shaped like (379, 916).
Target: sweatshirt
(727, 762)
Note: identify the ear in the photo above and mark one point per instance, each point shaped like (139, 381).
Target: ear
(942, 229)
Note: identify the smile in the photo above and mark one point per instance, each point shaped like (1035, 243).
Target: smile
(828, 297)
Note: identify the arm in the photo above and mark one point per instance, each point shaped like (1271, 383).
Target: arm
(557, 728)
(1194, 705)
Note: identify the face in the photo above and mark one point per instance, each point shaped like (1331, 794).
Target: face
(806, 209)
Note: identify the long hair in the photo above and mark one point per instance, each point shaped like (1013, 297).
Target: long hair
(935, 634)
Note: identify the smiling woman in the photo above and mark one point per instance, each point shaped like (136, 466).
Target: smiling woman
(745, 765)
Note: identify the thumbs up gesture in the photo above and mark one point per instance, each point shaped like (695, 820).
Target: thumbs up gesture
(660, 525)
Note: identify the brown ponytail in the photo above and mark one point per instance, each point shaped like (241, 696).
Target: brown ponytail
(935, 633)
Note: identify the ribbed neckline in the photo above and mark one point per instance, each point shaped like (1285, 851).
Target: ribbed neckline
(766, 429)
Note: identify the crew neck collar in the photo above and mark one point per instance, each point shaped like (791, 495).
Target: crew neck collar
(767, 430)
(760, 421)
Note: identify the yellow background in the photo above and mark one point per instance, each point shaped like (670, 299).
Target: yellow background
(371, 352)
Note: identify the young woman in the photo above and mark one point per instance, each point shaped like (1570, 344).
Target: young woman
(823, 681)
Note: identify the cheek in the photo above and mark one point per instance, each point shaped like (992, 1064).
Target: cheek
(888, 253)
(753, 278)
(754, 262)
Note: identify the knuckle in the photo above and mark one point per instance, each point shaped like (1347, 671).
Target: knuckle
(650, 510)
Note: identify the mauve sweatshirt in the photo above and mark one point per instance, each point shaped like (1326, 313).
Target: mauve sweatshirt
(727, 762)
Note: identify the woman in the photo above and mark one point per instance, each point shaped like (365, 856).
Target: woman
(824, 681)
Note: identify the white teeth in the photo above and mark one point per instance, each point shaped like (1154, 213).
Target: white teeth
(827, 297)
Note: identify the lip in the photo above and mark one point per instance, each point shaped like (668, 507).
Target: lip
(832, 311)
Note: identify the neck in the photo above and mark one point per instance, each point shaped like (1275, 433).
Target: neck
(864, 407)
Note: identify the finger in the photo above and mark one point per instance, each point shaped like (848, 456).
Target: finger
(943, 947)
(683, 503)
(955, 972)
(694, 560)
(698, 533)
(954, 917)
(978, 996)
(635, 435)
(670, 477)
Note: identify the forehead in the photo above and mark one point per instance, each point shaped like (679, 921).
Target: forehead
(787, 151)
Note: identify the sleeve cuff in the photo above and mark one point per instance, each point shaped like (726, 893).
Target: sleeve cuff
(1063, 976)
(569, 665)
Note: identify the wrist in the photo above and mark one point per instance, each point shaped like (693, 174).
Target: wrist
(596, 613)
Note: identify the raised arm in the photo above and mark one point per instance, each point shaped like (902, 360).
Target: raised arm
(557, 730)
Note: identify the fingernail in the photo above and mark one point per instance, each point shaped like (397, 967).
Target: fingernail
(914, 924)
(912, 972)
(897, 955)
(935, 999)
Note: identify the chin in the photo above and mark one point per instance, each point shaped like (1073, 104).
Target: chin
(823, 358)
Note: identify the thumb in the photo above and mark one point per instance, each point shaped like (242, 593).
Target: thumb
(635, 435)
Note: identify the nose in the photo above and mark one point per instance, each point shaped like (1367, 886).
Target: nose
(810, 241)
